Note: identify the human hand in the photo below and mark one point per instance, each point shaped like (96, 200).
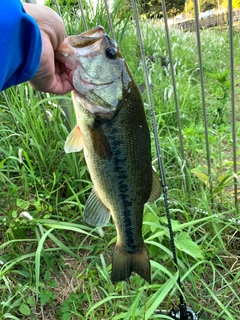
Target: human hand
(52, 76)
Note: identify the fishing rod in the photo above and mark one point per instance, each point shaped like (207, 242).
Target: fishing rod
(183, 313)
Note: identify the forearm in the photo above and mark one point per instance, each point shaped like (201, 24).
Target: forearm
(21, 44)
(28, 42)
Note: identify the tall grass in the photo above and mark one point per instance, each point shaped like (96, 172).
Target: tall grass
(54, 266)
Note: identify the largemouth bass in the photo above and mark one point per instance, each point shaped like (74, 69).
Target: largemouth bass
(113, 132)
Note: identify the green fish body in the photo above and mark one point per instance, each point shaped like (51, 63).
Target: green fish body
(113, 132)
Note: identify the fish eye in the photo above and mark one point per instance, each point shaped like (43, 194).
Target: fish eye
(111, 53)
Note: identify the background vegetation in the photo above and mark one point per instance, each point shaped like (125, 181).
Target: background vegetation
(52, 265)
(153, 8)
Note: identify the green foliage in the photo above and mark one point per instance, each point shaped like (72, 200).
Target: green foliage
(95, 14)
(72, 305)
(207, 5)
(65, 3)
(153, 8)
(221, 181)
(221, 91)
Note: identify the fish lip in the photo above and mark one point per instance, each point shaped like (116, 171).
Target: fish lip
(97, 32)
(70, 53)
(73, 47)
(86, 39)
(79, 45)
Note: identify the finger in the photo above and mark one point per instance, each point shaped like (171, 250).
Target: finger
(62, 88)
(61, 84)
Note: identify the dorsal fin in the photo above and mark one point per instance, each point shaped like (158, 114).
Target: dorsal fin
(156, 188)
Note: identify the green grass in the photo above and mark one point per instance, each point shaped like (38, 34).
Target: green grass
(53, 266)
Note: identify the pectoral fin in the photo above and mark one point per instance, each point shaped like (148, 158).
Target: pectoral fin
(100, 143)
(74, 142)
(95, 212)
(156, 188)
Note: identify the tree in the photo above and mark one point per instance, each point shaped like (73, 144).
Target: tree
(207, 5)
(153, 8)
(71, 6)
(62, 2)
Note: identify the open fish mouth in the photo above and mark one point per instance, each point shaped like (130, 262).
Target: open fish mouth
(97, 67)
(87, 44)
(97, 32)
(73, 47)
(88, 41)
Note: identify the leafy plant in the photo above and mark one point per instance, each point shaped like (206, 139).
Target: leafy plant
(220, 91)
(221, 182)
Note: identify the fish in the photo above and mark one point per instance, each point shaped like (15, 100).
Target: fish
(112, 130)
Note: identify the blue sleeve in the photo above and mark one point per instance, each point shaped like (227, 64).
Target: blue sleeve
(20, 44)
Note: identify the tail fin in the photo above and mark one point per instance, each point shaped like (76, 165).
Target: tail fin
(123, 263)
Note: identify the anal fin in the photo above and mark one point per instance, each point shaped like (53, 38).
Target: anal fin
(95, 212)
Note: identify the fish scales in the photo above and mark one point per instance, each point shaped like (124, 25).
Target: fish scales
(113, 132)
(124, 184)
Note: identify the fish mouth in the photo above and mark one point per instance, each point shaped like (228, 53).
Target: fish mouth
(87, 41)
(84, 44)
(74, 52)
(97, 32)
(75, 47)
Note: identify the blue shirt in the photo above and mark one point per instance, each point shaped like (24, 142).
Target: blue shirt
(20, 44)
